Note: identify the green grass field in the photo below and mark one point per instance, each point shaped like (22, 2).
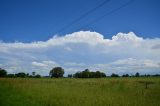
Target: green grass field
(79, 92)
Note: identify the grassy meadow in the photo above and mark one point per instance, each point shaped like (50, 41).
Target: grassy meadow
(79, 92)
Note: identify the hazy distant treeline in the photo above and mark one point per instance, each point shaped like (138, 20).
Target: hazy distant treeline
(59, 72)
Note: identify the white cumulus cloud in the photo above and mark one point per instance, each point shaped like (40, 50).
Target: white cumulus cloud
(125, 52)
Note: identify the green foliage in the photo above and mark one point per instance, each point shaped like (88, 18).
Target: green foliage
(33, 73)
(137, 74)
(70, 75)
(37, 76)
(114, 75)
(57, 72)
(20, 74)
(125, 75)
(87, 74)
(11, 76)
(3, 72)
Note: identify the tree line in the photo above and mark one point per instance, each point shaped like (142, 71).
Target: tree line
(89, 74)
(3, 73)
(58, 72)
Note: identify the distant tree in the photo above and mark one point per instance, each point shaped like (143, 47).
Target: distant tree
(85, 73)
(20, 74)
(11, 75)
(98, 74)
(89, 74)
(3, 72)
(103, 74)
(156, 75)
(27, 75)
(69, 75)
(125, 75)
(57, 72)
(114, 75)
(77, 75)
(37, 76)
(33, 73)
(137, 74)
(148, 75)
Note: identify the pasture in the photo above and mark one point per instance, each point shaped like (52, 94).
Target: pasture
(79, 92)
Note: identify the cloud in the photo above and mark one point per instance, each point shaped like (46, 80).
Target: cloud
(130, 37)
(125, 52)
(44, 63)
(156, 46)
(38, 64)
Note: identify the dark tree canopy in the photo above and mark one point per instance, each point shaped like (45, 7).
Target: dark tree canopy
(87, 74)
(37, 76)
(57, 72)
(114, 75)
(125, 75)
(70, 75)
(33, 73)
(11, 76)
(20, 74)
(3, 72)
(137, 74)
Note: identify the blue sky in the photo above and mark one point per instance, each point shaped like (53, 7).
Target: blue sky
(124, 41)
(34, 20)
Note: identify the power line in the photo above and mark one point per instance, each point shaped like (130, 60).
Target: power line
(114, 10)
(83, 15)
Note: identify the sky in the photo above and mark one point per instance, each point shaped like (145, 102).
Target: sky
(120, 36)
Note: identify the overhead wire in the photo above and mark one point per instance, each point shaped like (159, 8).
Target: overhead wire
(83, 15)
(114, 10)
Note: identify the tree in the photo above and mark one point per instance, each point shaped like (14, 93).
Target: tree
(89, 74)
(125, 75)
(3, 72)
(27, 75)
(148, 75)
(85, 73)
(33, 73)
(77, 75)
(37, 76)
(103, 74)
(114, 75)
(137, 74)
(20, 74)
(69, 75)
(57, 72)
(98, 74)
(11, 76)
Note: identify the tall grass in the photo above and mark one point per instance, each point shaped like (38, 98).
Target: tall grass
(79, 92)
